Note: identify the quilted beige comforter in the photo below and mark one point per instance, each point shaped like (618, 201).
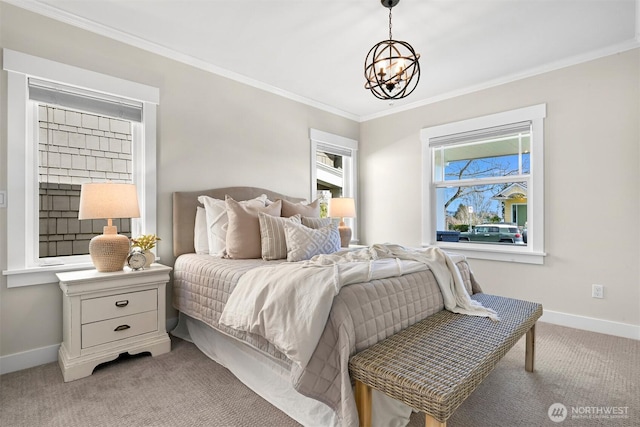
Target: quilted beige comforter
(362, 314)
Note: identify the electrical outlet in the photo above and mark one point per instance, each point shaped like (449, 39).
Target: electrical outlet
(597, 291)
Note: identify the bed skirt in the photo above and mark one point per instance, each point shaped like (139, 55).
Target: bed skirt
(270, 380)
(263, 375)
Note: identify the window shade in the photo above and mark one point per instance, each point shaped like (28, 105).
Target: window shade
(333, 149)
(84, 100)
(481, 134)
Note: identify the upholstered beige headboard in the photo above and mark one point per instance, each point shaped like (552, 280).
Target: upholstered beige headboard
(186, 202)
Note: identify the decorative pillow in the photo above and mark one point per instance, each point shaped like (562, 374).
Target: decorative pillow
(200, 237)
(243, 232)
(217, 221)
(304, 242)
(274, 245)
(315, 222)
(311, 210)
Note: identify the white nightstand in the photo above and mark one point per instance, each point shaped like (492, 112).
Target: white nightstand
(106, 314)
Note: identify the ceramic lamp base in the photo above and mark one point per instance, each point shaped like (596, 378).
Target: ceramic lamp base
(109, 250)
(345, 235)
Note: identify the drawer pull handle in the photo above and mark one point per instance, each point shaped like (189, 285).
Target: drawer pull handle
(123, 303)
(121, 328)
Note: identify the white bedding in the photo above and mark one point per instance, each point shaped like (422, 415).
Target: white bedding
(362, 314)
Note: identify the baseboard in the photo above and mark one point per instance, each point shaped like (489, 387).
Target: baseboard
(592, 324)
(40, 356)
(28, 359)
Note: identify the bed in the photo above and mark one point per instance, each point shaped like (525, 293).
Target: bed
(319, 391)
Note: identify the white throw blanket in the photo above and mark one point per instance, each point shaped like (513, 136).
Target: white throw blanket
(289, 304)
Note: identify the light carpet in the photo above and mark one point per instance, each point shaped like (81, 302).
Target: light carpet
(590, 374)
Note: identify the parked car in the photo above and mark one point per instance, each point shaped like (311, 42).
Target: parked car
(493, 233)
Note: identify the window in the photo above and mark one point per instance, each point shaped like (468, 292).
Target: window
(483, 192)
(76, 146)
(67, 126)
(334, 170)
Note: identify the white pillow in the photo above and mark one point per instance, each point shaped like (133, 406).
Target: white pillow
(200, 238)
(304, 242)
(217, 221)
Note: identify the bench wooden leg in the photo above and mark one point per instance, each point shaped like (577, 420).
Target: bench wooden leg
(432, 422)
(530, 349)
(363, 403)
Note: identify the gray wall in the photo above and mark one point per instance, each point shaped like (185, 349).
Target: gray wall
(212, 132)
(592, 184)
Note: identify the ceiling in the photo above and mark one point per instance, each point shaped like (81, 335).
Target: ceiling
(313, 51)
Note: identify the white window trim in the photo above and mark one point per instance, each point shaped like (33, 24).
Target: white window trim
(350, 176)
(534, 252)
(22, 196)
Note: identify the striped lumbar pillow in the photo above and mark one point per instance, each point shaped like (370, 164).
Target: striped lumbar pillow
(272, 235)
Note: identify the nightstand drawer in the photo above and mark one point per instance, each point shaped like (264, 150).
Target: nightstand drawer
(96, 309)
(120, 328)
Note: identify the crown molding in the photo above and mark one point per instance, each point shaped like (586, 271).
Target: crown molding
(83, 23)
(121, 36)
(553, 66)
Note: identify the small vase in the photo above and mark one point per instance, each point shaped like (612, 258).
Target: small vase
(150, 256)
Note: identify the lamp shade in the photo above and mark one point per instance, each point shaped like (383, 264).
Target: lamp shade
(108, 200)
(342, 207)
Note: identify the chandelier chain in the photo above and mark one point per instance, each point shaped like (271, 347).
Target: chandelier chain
(390, 37)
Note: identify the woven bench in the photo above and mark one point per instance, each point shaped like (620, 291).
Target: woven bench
(434, 365)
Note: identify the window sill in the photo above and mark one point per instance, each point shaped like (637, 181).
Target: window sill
(504, 254)
(44, 274)
(40, 275)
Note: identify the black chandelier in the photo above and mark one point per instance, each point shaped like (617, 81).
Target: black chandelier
(391, 68)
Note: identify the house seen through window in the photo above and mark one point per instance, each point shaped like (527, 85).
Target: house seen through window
(333, 170)
(481, 183)
(330, 177)
(77, 147)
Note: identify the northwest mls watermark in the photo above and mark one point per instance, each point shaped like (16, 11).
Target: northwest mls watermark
(558, 412)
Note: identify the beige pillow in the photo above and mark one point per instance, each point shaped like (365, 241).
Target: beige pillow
(311, 210)
(217, 221)
(315, 222)
(304, 242)
(243, 232)
(274, 245)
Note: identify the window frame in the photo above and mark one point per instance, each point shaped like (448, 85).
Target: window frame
(533, 252)
(350, 171)
(23, 264)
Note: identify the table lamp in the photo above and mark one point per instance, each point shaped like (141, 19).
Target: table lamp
(343, 207)
(107, 201)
